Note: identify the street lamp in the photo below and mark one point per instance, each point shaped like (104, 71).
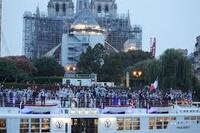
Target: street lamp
(137, 73)
(70, 69)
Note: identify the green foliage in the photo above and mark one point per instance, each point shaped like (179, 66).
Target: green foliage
(112, 69)
(21, 63)
(35, 86)
(108, 67)
(9, 72)
(91, 61)
(16, 85)
(115, 64)
(172, 69)
(18, 69)
(45, 80)
(48, 67)
(195, 88)
(150, 68)
(176, 70)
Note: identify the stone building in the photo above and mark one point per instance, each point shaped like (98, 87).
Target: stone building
(43, 33)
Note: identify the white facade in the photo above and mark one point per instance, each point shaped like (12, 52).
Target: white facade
(62, 122)
(78, 82)
(85, 32)
(105, 84)
(74, 45)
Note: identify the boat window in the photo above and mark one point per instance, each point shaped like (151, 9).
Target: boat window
(120, 123)
(3, 125)
(128, 124)
(159, 121)
(75, 122)
(186, 118)
(152, 123)
(45, 125)
(193, 118)
(35, 125)
(198, 118)
(24, 126)
(166, 122)
(136, 123)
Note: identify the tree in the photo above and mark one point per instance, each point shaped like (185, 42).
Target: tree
(9, 72)
(150, 68)
(172, 69)
(22, 63)
(196, 88)
(132, 57)
(108, 67)
(112, 69)
(47, 66)
(176, 70)
(92, 60)
(115, 64)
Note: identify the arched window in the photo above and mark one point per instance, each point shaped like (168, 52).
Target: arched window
(106, 8)
(99, 9)
(57, 7)
(64, 7)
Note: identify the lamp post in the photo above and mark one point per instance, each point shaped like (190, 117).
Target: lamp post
(136, 74)
(70, 69)
(127, 80)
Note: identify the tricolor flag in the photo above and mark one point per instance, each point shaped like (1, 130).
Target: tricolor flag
(154, 86)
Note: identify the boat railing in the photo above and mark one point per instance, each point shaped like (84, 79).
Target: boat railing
(88, 102)
(197, 104)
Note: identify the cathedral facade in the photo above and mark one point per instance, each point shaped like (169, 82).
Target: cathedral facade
(42, 33)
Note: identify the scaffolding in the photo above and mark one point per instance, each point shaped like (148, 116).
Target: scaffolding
(119, 30)
(41, 34)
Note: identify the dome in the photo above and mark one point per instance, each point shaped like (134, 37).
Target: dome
(85, 23)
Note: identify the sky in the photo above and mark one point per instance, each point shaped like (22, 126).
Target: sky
(174, 23)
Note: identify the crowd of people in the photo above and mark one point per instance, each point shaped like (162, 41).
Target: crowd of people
(71, 96)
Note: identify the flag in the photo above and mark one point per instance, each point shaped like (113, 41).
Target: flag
(154, 86)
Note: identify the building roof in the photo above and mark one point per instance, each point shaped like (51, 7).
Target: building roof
(85, 17)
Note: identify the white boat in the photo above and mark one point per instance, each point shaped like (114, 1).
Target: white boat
(51, 118)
